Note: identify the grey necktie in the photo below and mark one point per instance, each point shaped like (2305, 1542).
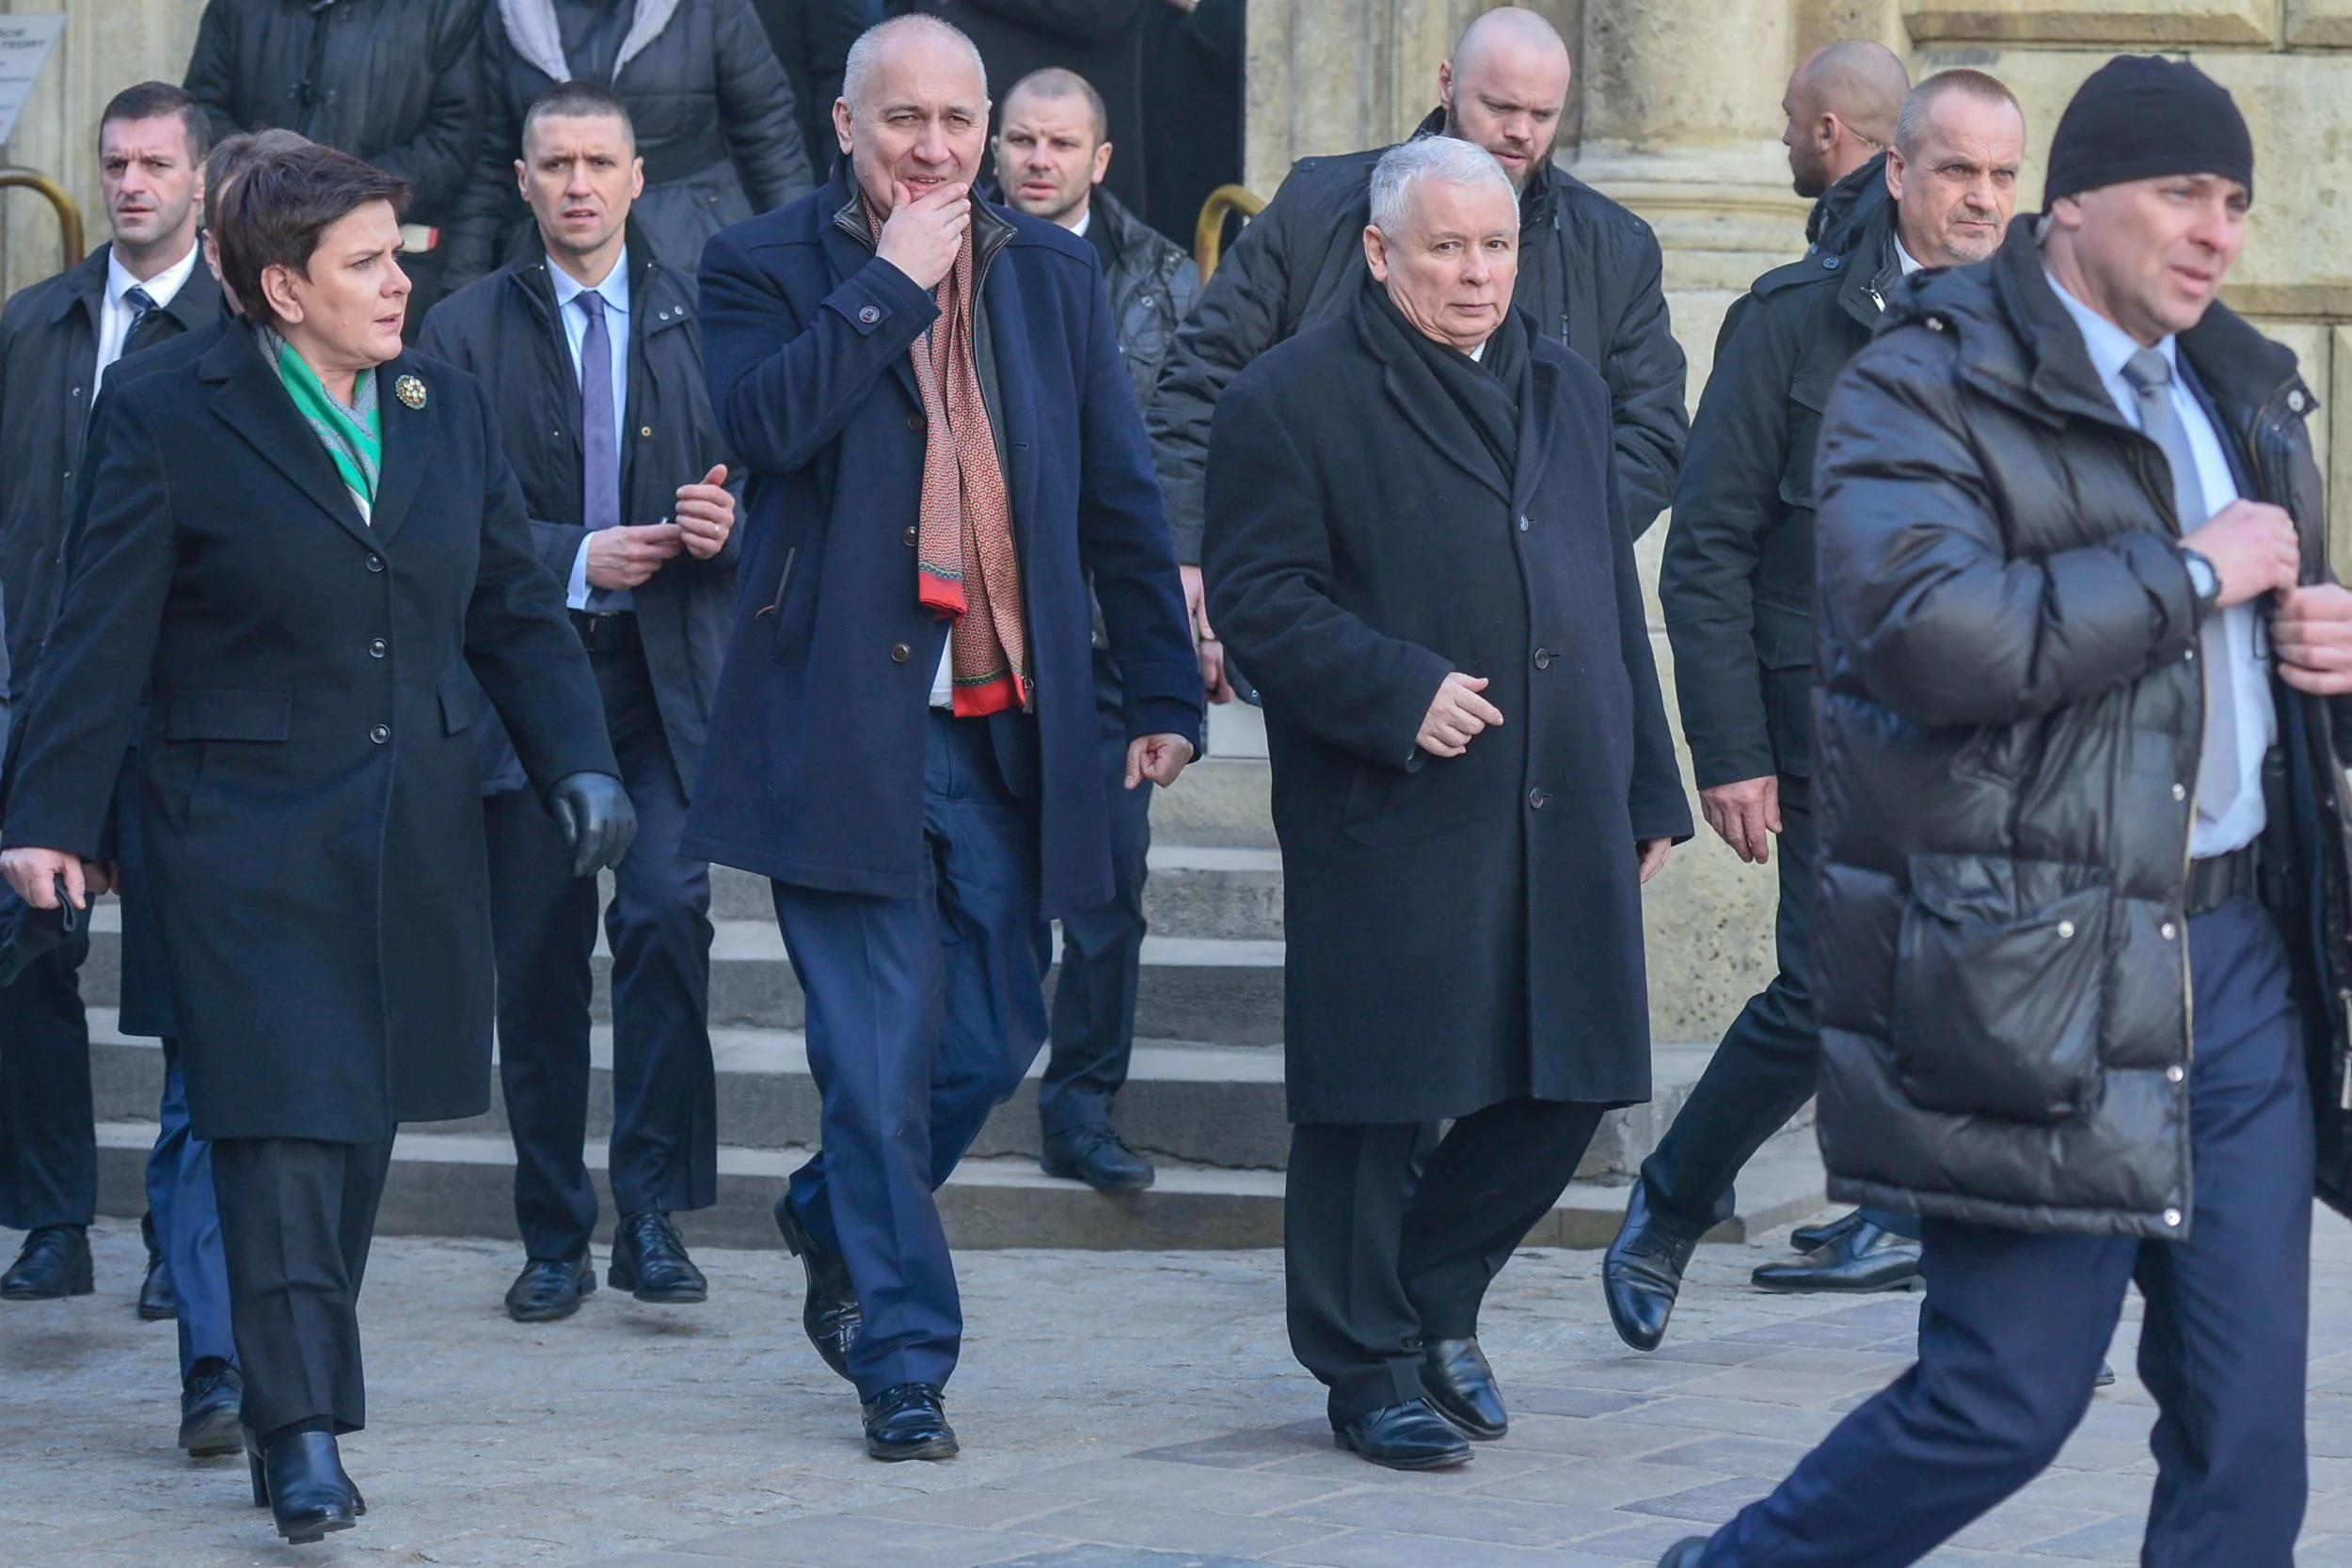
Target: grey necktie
(140, 333)
(2218, 775)
(600, 458)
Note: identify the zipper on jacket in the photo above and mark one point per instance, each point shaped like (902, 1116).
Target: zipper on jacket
(783, 580)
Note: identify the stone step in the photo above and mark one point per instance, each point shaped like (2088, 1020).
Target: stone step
(462, 1184)
(1194, 890)
(1227, 990)
(1197, 1105)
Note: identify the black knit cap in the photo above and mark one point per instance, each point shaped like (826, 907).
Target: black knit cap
(2140, 117)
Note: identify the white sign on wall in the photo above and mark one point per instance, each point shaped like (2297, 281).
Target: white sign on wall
(25, 40)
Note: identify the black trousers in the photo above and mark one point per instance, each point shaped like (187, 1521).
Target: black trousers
(665, 1150)
(1093, 1028)
(48, 1130)
(296, 1216)
(1764, 1070)
(1370, 1275)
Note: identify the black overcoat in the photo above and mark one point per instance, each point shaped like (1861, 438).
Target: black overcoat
(1461, 931)
(308, 786)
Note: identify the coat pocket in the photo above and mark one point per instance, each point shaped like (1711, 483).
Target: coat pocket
(788, 634)
(458, 694)
(228, 716)
(1998, 986)
(1367, 803)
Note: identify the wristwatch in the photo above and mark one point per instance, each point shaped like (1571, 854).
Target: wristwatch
(2203, 577)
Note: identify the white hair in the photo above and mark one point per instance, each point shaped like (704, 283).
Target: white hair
(860, 65)
(1433, 157)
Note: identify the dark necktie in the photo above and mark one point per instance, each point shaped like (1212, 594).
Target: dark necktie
(148, 324)
(600, 458)
(2218, 777)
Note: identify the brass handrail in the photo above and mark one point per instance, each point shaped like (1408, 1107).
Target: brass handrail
(1208, 235)
(68, 216)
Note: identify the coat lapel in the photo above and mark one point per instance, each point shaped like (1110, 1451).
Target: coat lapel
(1008, 336)
(253, 403)
(1537, 420)
(848, 249)
(406, 433)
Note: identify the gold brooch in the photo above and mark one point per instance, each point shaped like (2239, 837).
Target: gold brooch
(409, 390)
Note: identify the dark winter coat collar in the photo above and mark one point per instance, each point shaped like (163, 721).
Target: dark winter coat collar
(1858, 196)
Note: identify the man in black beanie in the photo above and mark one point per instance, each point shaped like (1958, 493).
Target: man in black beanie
(2078, 748)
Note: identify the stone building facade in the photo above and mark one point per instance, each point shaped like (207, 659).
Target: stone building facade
(1677, 115)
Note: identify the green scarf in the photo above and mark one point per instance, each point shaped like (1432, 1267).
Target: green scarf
(353, 436)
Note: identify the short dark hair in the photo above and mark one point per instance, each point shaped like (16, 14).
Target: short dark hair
(154, 100)
(577, 99)
(273, 216)
(1056, 81)
(232, 155)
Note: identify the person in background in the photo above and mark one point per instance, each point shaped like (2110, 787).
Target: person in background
(1840, 107)
(1192, 109)
(1052, 157)
(811, 40)
(717, 123)
(394, 81)
(595, 339)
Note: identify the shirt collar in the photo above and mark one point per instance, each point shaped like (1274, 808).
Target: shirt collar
(1904, 259)
(614, 289)
(162, 288)
(2110, 347)
(1086, 221)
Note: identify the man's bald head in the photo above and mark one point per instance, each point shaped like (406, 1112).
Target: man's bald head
(1841, 105)
(1505, 87)
(913, 114)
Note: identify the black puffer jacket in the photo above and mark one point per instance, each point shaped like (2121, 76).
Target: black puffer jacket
(2005, 743)
(391, 81)
(715, 119)
(1589, 276)
(1153, 285)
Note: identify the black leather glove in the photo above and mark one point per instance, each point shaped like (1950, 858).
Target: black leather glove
(598, 822)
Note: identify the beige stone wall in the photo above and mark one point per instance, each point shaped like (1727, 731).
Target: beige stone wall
(108, 45)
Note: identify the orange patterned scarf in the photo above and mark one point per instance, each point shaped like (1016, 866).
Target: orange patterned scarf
(966, 566)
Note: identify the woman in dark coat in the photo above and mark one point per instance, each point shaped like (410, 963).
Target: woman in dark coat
(304, 540)
(1415, 554)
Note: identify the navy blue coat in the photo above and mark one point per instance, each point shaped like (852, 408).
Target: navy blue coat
(813, 773)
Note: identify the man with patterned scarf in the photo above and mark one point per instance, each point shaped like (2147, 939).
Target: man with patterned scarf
(942, 448)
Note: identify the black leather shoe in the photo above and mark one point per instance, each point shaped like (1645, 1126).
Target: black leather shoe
(550, 1288)
(2107, 1376)
(1684, 1554)
(1807, 1236)
(829, 1312)
(1642, 1274)
(1099, 1157)
(907, 1423)
(1864, 1259)
(158, 1301)
(1407, 1437)
(1455, 1375)
(53, 1263)
(300, 1476)
(208, 1407)
(260, 1482)
(650, 1262)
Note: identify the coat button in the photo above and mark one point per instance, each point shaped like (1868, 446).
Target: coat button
(378, 648)
(1829, 263)
(376, 563)
(2173, 1073)
(869, 315)
(381, 734)
(2295, 401)
(1538, 799)
(901, 653)
(2188, 656)
(915, 421)
(1543, 658)
(644, 433)
(908, 537)
(2066, 930)
(2173, 1218)
(2166, 931)
(1526, 522)
(2179, 792)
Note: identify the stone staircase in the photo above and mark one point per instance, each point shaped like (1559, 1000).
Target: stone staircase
(1204, 1101)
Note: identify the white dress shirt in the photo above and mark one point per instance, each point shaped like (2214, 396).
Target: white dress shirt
(115, 317)
(574, 315)
(2236, 821)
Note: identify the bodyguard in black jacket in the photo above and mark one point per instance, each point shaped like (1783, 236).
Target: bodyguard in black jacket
(715, 116)
(1589, 278)
(657, 646)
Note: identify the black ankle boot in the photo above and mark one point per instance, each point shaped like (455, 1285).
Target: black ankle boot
(299, 1475)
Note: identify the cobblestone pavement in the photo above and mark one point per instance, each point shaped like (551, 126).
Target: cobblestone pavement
(1117, 1410)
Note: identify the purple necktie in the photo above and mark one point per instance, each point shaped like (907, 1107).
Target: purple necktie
(600, 458)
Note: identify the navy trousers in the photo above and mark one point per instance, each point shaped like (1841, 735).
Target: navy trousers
(1101, 950)
(48, 1123)
(187, 1223)
(2016, 1324)
(923, 1014)
(665, 1150)
(1764, 1070)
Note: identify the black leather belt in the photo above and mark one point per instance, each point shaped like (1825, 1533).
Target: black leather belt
(2217, 878)
(614, 631)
